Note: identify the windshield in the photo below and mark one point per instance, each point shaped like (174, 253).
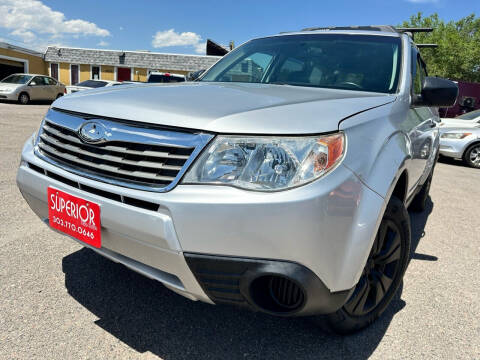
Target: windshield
(92, 83)
(469, 116)
(351, 62)
(17, 79)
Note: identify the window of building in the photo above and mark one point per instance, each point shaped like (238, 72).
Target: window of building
(74, 74)
(95, 72)
(54, 71)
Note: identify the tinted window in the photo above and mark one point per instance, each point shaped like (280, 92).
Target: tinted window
(17, 79)
(92, 83)
(38, 81)
(351, 62)
(49, 81)
(164, 78)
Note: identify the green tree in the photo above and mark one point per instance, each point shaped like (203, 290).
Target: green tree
(458, 54)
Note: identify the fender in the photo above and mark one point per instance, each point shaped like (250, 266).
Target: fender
(378, 152)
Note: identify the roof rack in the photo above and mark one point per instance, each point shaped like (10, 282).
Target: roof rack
(385, 28)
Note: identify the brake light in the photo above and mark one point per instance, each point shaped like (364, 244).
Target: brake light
(65, 90)
(166, 74)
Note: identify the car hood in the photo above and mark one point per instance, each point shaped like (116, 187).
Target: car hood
(449, 123)
(227, 107)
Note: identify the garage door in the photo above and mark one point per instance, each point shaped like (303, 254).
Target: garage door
(8, 67)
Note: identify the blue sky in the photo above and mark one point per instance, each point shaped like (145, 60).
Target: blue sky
(183, 26)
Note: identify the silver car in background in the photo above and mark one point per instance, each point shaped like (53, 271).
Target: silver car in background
(278, 181)
(27, 87)
(461, 142)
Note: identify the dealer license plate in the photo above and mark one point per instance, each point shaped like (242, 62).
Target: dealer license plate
(74, 216)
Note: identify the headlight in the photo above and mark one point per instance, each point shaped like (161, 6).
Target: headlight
(455, 135)
(267, 163)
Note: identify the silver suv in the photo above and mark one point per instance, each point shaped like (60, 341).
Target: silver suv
(278, 181)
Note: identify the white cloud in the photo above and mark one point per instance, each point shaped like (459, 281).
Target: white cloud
(26, 35)
(31, 19)
(103, 43)
(201, 48)
(169, 38)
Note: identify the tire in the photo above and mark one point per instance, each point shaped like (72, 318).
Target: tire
(472, 156)
(24, 98)
(382, 275)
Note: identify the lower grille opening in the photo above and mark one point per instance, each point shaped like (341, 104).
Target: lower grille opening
(277, 294)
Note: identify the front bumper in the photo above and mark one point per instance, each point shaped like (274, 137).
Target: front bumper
(455, 148)
(9, 96)
(326, 227)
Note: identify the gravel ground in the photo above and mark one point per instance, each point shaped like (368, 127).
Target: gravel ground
(61, 301)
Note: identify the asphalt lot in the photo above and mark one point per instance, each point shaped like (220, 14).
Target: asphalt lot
(59, 300)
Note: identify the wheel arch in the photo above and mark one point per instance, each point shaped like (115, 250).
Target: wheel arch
(473, 143)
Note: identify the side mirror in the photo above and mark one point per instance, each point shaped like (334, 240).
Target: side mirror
(32, 83)
(437, 92)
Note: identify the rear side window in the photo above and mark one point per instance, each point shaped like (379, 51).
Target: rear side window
(50, 81)
(38, 81)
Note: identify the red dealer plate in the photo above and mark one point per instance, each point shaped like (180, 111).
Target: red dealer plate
(74, 216)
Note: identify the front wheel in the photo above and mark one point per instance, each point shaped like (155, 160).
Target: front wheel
(24, 99)
(382, 274)
(472, 156)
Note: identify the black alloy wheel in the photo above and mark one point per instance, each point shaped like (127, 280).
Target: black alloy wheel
(383, 264)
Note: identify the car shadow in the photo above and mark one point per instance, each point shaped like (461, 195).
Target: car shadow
(418, 222)
(32, 102)
(451, 161)
(146, 316)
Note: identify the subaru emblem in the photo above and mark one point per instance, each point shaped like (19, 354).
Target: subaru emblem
(92, 132)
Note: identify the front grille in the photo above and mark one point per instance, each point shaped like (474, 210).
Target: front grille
(145, 158)
(147, 205)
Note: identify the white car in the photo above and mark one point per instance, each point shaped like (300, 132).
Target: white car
(26, 87)
(470, 119)
(91, 84)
